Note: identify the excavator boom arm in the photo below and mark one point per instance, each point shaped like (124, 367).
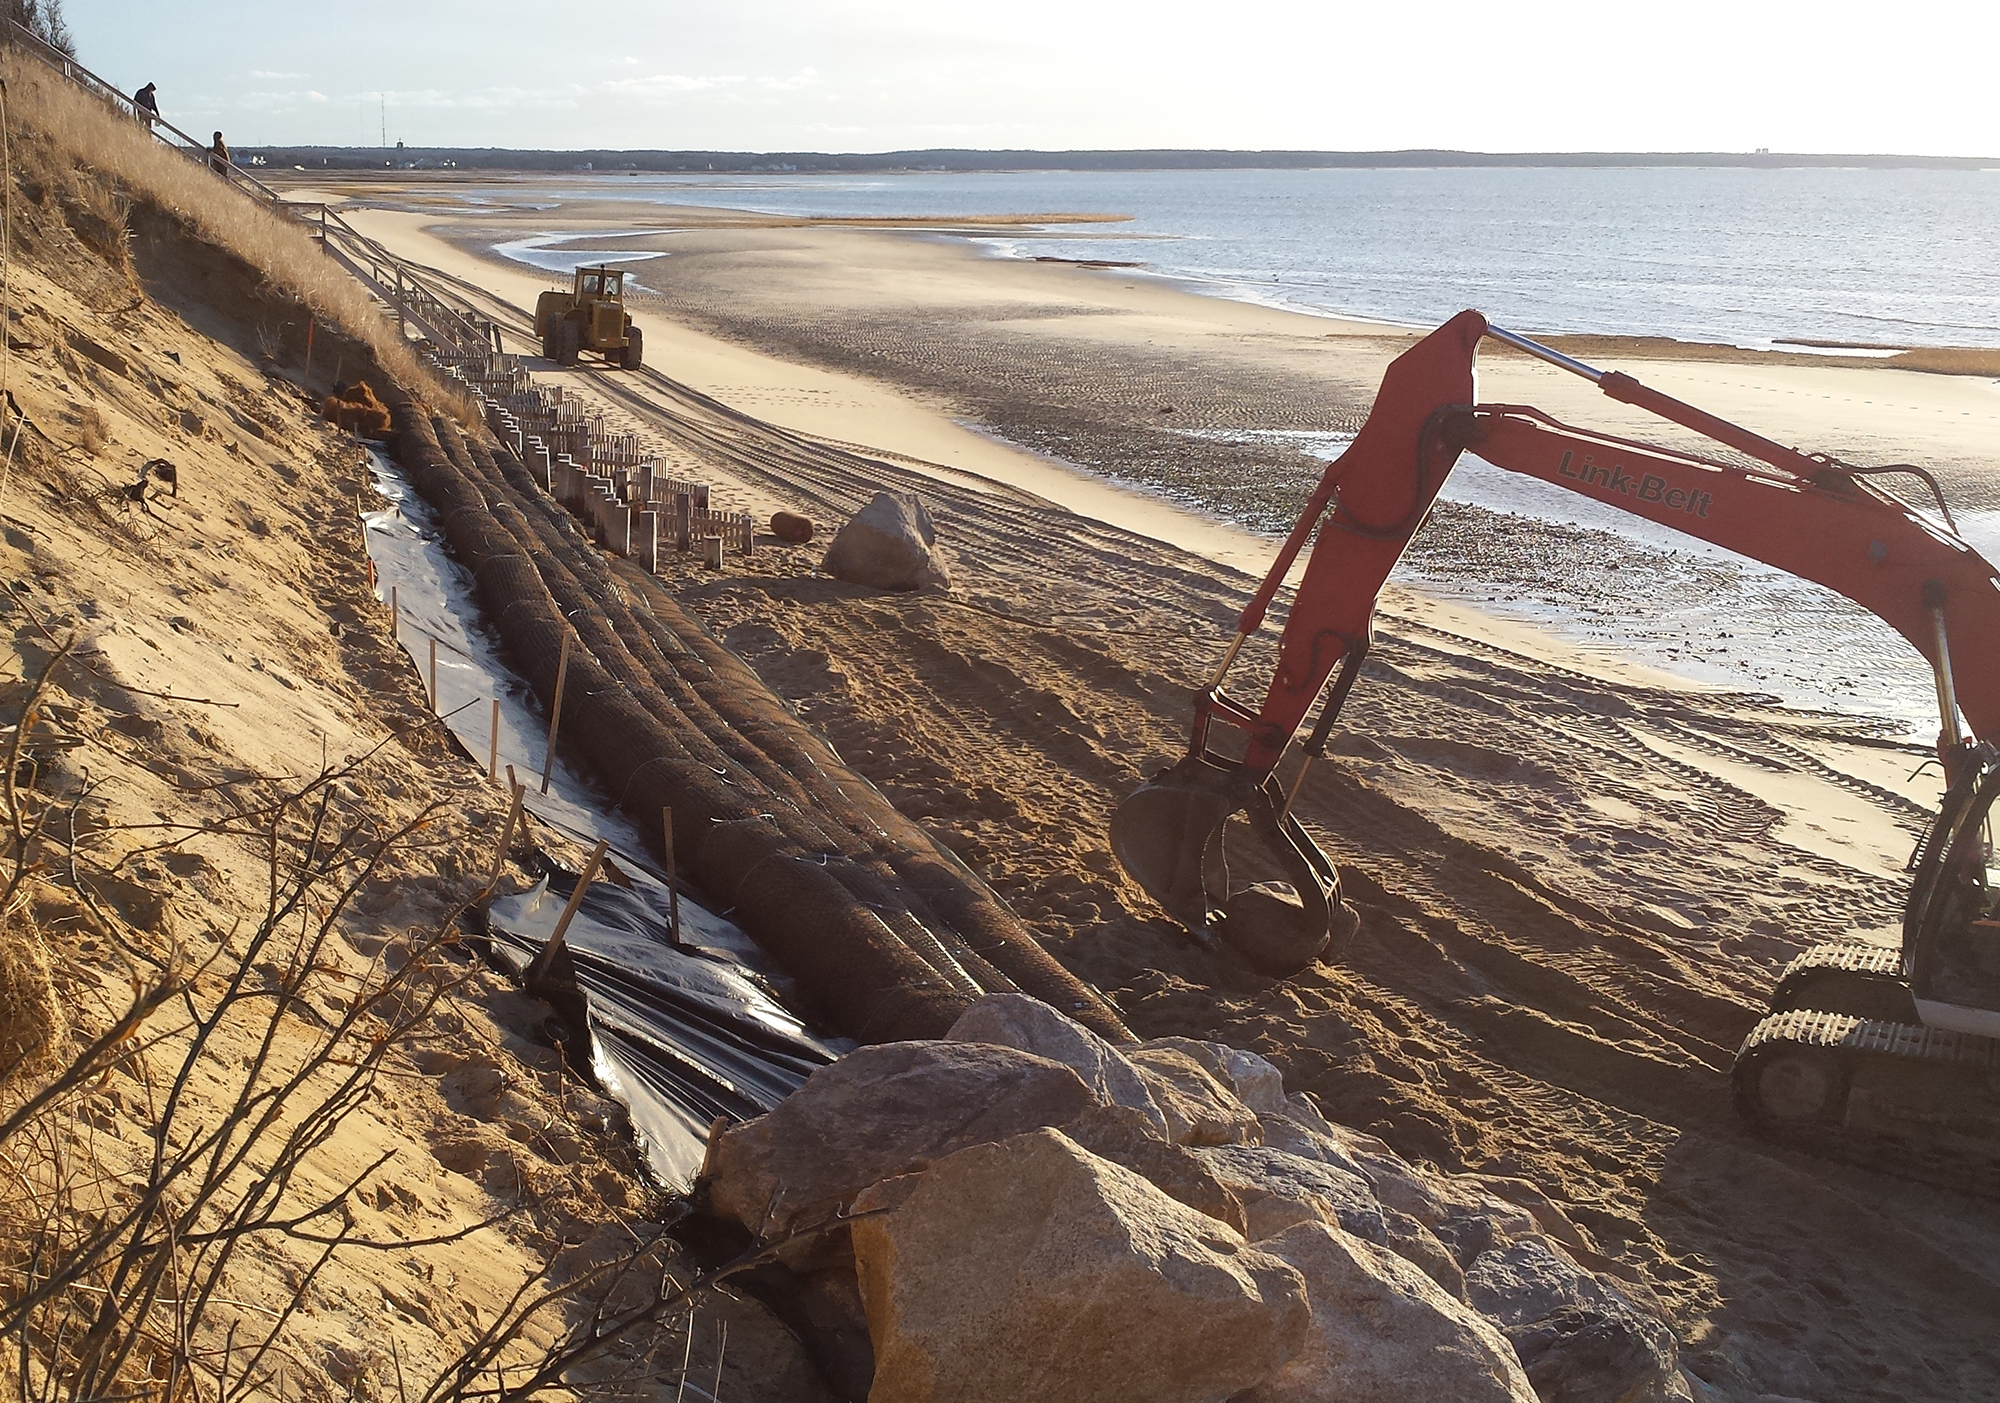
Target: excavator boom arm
(1803, 515)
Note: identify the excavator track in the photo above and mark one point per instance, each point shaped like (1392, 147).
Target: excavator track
(1919, 1103)
(1847, 976)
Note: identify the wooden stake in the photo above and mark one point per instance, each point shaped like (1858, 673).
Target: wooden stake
(434, 675)
(540, 967)
(673, 882)
(395, 614)
(715, 1128)
(555, 711)
(506, 832)
(493, 743)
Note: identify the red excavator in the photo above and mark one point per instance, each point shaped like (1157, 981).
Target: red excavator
(1859, 1035)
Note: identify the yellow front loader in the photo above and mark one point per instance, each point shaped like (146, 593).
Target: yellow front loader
(589, 317)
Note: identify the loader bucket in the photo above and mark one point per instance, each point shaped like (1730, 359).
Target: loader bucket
(1169, 835)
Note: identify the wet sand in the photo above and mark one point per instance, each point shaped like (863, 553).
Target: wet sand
(1578, 879)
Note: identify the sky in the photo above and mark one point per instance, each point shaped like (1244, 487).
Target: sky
(880, 75)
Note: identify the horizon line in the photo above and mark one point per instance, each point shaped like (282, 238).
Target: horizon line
(991, 158)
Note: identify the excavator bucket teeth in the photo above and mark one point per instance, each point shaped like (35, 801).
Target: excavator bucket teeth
(1168, 835)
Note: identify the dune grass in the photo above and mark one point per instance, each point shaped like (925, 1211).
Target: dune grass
(83, 130)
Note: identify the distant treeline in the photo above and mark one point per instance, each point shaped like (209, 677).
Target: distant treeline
(739, 162)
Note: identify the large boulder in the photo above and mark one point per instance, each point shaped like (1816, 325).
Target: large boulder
(1581, 1339)
(1279, 1189)
(1421, 1248)
(1031, 1269)
(1457, 1210)
(1199, 1109)
(1548, 1214)
(876, 1113)
(889, 544)
(1019, 1021)
(1382, 1332)
(1299, 1128)
(1127, 1139)
(1250, 1078)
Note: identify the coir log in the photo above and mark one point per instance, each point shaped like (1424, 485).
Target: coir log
(890, 934)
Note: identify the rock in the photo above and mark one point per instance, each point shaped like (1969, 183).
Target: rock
(890, 544)
(1548, 1215)
(880, 1112)
(1382, 1332)
(1600, 1356)
(1459, 1213)
(1420, 1247)
(831, 1323)
(1127, 1139)
(1301, 1130)
(1018, 1021)
(1254, 1081)
(1198, 1108)
(791, 528)
(1528, 1279)
(1581, 1339)
(1032, 1269)
(1280, 1189)
(885, 1195)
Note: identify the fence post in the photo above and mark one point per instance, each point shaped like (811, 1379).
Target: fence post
(673, 881)
(555, 708)
(539, 968)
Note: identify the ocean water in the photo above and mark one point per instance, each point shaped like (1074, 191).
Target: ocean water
(1743, 257)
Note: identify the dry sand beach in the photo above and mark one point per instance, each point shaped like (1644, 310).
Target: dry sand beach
(1578, 876)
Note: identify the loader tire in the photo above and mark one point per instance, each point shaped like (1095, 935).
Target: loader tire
(549, 347)
(635, 349)
(569, 344)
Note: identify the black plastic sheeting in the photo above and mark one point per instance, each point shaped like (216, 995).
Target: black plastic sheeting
(438, 601)
(680, 1034)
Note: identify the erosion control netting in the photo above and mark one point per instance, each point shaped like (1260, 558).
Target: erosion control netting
(680, 1034)
(889, 936)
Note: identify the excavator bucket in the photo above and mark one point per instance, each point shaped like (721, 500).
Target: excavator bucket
(1169, 834)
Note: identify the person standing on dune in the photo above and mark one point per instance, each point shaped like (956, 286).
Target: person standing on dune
(218, 157)
(148, 106)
